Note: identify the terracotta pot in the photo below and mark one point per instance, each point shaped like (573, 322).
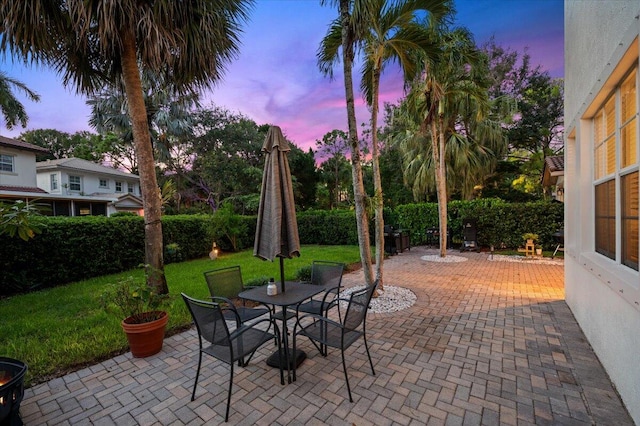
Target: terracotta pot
(145, 339)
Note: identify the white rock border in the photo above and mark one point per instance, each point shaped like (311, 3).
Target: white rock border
(392, 299)
(522, 259)
(447, 259)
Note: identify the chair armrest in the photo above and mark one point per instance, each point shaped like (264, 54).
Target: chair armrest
(231, 308)
(321, 318)
(245, 327)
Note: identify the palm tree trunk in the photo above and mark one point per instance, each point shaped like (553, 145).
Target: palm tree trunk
(437, 140)
(362, 220)
(146, 165)
(377, 181)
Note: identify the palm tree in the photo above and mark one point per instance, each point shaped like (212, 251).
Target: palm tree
(446, 104)
(11, 108)
(169, 116)
(96, 44)
(342, 34)
(393, 33)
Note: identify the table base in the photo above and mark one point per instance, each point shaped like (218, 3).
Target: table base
(275, 361)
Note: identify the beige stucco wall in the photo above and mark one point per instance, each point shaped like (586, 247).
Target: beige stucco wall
(603, 295)
(25, 168)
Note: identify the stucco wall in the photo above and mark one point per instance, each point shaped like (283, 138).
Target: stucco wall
(603, 295)
(25, 168)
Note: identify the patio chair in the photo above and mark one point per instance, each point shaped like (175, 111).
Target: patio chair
(224, 285)
(224, 345)
(328, 333)
(329, 275)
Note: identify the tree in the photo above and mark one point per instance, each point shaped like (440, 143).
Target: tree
(392, 33)
(305, 176)
(333, 146)
(96, 44)
(169, 117)
(536, 130)
(225, 145)
(12, 110)
(444, 108)
(342, 34)
(85, 145)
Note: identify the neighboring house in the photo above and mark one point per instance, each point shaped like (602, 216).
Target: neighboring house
(70, 186)
(18, 168)
(602, 283)
(553, 176)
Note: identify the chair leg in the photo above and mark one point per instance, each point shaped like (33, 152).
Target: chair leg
(195, 384)
(226, 417)
(346, 377)
(366, 346)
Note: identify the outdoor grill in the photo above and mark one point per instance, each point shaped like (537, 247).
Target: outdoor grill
(558, 237)
(11, 390)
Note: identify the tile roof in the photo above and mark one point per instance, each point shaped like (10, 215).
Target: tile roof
(22, 189)
(555, 163)
(18, 144)
(80, 164)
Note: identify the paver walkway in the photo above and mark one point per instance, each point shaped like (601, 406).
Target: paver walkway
(486, 343)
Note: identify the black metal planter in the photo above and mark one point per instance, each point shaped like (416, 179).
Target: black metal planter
(12, 374)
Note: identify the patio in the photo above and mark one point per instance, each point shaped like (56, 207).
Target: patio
(485, 343)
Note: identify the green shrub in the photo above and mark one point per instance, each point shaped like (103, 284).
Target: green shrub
(304, 273)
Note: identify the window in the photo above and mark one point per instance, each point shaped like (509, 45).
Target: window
(629, 184)
(54, 182)
(131, 187)
(616, 175)
(75, 183)
(104, 183)
(118, 186)
(6, 163)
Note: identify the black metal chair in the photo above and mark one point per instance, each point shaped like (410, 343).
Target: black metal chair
(224, 285)
(329, 333)
(329, 275)
(225, 345)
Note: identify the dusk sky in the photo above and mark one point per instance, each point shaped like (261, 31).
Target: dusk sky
(275, 79)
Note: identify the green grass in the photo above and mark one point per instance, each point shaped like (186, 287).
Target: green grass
(61, 329)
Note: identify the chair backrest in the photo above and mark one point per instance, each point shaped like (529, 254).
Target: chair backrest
(326, 273)
(209, 320)
(358, 307)
(224, 282)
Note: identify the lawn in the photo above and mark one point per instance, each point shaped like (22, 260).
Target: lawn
(57, 330)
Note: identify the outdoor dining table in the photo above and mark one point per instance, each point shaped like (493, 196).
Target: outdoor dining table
(295, 293)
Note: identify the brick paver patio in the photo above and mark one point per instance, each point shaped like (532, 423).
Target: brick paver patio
(486, 343)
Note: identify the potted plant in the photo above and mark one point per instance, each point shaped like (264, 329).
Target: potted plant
(538, 250)
(530, 237)
(144, 322)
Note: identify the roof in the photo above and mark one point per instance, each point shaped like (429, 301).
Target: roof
(553, 168)
(83, 165)
(14, 143)
(22, 189)
(555, 164)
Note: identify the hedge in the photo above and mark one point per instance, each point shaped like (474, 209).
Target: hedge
(72, 249)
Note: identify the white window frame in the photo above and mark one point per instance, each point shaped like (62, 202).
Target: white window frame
(53, 181)
(118, 186)
(7, 160)
(131, 188)
(105, 181)
(79, 183)
(616, 176)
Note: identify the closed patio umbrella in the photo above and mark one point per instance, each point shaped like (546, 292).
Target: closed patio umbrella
(277, 228)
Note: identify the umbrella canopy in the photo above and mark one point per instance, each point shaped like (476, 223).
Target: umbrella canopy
(277, 228)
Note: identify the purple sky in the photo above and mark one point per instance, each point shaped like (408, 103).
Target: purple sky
(275, 80)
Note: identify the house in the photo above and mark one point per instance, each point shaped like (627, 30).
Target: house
(18, 168)
(553, 176)
(69, 186)
(602, 283)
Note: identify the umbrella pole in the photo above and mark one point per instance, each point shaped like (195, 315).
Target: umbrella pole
(282, 273)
